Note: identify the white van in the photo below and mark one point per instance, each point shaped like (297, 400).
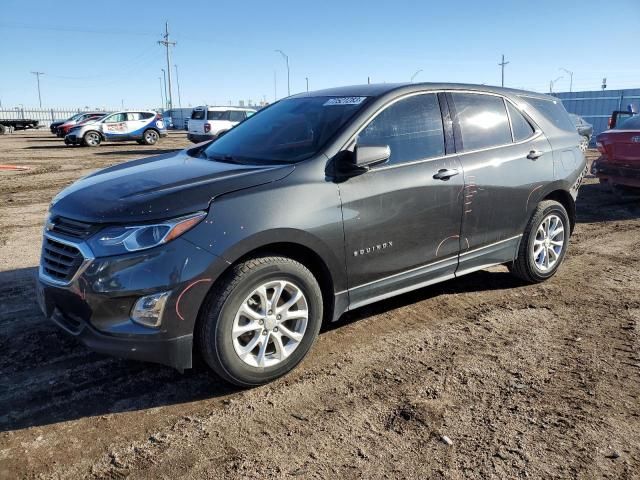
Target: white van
(207, 123)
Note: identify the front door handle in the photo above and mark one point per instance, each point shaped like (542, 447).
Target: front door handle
(445, 173)
(533, 154)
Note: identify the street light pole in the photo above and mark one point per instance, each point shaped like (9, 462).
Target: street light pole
(286, 58)
(166, 97)
(570, 78)
(307, 79)
(166, 43)
(179, 99)
(415, 75)
(37, 74)
(552, 82)
(161, 95)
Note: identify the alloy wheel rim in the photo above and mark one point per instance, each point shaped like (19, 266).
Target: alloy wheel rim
(92, 139)
(584, 144)
(151, 137)
(549, 242)
(270, 323)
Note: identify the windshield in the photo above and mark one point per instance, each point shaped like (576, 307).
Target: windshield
(288, 131)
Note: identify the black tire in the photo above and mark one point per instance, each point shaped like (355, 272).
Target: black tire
(91, 139)
(150, 137)
(524, 266)
(3, 129)
(213, 331)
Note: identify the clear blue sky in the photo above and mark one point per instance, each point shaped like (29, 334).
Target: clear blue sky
(99, 53)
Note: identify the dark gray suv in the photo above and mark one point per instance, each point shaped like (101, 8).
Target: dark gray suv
(240, 248)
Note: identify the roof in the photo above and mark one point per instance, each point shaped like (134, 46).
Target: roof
(224, 109)
(375, 90)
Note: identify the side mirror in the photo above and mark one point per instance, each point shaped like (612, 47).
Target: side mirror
(368, 155)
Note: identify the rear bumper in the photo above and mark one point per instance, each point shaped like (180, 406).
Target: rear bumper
(615, 173)
(200, 137)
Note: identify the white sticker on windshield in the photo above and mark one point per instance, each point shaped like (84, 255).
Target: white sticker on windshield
(344, 101)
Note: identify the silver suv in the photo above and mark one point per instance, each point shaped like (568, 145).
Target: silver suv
(208, 123)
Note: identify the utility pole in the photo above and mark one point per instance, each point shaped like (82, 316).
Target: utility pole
(37, 74)
(166, 98)
(307, 79)
(368, 80)
(503, 64)
(570, 78)
(166, 43)
(286, 58)
(552, 82)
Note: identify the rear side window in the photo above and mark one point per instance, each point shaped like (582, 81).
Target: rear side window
(411, 127)
(521, 128)
(554, 112)
(217, 115)
(236, 116)
(483, 120)
(197, 115)
(631, 123)
(146, 115)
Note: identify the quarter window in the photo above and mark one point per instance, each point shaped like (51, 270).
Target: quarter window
(236, 116)
(411, 127)
(521, 128)
(553, 111)
(483, 120)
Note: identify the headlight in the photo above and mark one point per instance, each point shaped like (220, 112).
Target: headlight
(131, 238)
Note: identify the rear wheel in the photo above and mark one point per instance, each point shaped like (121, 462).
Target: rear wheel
(91, 139)
(543, 244)
(260, 321)
(150, 137)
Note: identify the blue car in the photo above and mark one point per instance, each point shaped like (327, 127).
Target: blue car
(145, 127)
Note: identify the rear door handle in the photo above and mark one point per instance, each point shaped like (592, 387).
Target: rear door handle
(445, 174)
(533, 154)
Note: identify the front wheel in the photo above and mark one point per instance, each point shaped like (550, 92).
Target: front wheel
(91, 139)
(260, 321)
(543, 244)
(150, 137)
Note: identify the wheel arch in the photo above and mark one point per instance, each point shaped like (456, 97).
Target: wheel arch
(566, 200)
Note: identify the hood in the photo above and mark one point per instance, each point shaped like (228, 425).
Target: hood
(157, 188)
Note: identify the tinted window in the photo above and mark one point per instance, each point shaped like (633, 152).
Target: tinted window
(116, 117)
(411, 127)
(287, 131)
(522, 129)
(217, 115)
(554, 112)
(133, 116)
(146, 115)
(483, 120)
(631, 123)
(197, 115)
(236, 116)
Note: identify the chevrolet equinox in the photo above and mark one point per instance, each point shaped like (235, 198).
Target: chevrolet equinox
(238, 249)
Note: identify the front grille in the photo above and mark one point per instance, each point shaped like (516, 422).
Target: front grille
(60, 261)
(72, 228)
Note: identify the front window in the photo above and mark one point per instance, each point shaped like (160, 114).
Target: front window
(116, 117)
(288, 131)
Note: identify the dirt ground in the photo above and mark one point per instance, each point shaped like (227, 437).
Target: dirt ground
(481, 377)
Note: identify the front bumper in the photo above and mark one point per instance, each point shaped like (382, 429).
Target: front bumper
(72, 139)
(615, 173)
(95, 304)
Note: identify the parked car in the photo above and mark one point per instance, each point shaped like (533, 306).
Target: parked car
(78, 117)
(9, 125)
(585, 130)
(145, 127)
(320, 203)
(64, 129)
(208, 123)
(618, 116)
(619, 165)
